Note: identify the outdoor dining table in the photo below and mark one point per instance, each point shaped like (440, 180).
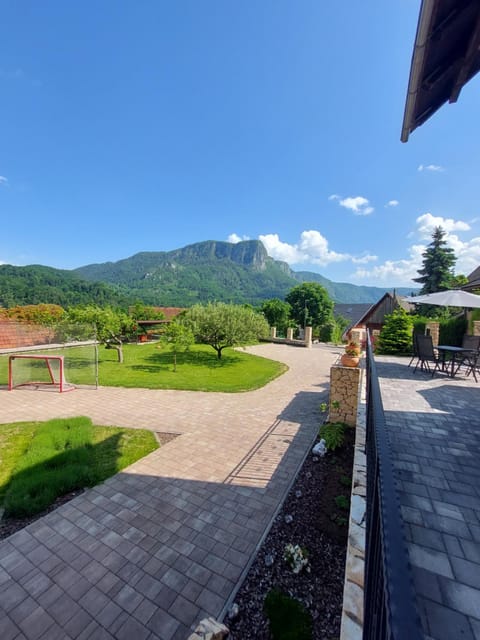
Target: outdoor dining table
(454, 352)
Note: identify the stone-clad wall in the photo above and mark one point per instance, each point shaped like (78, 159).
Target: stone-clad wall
(348, 389)
(344, 386)
(353, 591)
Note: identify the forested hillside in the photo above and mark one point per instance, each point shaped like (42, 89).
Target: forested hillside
(202, 272)
(37, 284)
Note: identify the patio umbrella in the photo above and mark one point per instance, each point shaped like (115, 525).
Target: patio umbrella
(450, 298)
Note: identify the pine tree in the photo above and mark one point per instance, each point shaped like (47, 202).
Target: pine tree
(396, 334)
(438, 264)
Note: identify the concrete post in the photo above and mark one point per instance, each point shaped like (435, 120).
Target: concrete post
(273, 332)
(308, 337)
(290, 333)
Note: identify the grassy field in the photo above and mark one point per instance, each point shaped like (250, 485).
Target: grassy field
(40, 461)
(148, 366)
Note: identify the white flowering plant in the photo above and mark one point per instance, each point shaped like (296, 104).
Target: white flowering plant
(297, 557)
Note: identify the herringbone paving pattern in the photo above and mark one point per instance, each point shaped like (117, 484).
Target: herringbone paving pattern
(164, 543)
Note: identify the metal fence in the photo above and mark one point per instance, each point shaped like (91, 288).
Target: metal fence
(390, 610)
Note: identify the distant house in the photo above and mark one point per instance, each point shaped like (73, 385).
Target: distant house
(147, 328)
(473, 281)
(373, 318)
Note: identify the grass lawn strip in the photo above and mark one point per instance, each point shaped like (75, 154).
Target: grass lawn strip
(43, 461)
(149, 366)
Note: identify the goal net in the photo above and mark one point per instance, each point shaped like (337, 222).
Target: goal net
(58, 358)
(36, 370)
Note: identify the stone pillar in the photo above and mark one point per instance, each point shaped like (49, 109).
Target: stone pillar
(273, 332)
(308, 336)
(344, 390)
(476, 327)
(433, 328)
(290, 333)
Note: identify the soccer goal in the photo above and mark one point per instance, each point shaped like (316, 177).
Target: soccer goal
(37, 370)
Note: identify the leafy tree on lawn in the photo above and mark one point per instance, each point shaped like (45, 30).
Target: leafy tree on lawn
(396, 335)
(311, 305)
(177, 337)
(223, 325)
(112, 326)
(277, 313)
(438, 264)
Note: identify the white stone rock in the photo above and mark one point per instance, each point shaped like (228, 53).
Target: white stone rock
(357, 509)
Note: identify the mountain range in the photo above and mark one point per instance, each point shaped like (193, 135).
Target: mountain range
(210, 270)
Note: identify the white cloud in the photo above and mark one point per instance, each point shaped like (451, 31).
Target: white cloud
(334, 197)
(430, 167)
(312, 248)
(401, 272)
(235, 238)
(359, 205)
(3, 180)
(392, 203)
(364, 259)
(394, 272)
(426, 224)
(281, 250)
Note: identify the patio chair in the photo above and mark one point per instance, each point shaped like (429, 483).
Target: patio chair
(414, 348)
(470, 361)
(427, 358)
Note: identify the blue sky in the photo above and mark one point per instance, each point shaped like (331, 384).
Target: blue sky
(147, 126)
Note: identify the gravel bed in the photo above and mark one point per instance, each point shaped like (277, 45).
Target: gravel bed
(311, 518)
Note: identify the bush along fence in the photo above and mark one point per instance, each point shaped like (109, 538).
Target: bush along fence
(389, 611)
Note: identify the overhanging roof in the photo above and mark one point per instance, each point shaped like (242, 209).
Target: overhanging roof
(445, 57)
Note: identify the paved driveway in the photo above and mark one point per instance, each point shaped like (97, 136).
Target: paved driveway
(167, 541)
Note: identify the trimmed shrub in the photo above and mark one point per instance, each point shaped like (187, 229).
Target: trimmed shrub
(289, 620)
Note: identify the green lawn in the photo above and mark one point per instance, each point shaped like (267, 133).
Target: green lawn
(148, 366)
(40, 461)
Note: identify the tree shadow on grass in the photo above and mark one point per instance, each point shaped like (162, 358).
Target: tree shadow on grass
(34, 489)
(193, 358)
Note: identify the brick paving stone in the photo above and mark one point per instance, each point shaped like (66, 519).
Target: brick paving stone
(446, 624)
(118, 555)
(132, 629)
(184, 610)
(461, 597)
(164, 625)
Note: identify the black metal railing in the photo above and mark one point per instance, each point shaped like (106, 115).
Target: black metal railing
(389, 604)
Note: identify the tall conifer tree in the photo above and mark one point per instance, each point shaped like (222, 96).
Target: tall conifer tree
(438, 265)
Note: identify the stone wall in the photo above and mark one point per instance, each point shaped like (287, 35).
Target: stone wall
(433, 328)
(476, 327)
(352, 614)
(344, 389)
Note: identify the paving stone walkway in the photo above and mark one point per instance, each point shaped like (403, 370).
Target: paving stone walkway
(166, 542)
(434, 428)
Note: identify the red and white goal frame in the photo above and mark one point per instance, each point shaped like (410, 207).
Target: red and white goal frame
(54, 366)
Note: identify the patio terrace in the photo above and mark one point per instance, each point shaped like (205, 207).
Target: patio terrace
(434, 429)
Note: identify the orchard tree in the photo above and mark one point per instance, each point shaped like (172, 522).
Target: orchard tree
(112, 326)
(177, 337)
(311, 305)
(438, 265)
(223, 325)
(277, 313)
